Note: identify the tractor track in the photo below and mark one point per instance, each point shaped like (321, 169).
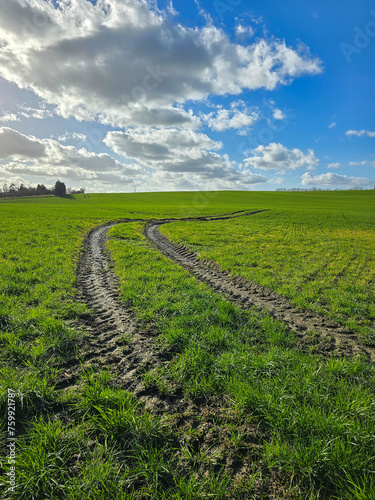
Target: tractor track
(114, 340)
(334, 338)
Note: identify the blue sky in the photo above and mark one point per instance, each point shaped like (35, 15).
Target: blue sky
(191, 95)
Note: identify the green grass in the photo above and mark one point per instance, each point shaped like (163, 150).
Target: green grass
(320, 257)
(319, 412)
(302, 424)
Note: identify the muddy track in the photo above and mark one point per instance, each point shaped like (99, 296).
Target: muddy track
(333, 338)
(113, 339)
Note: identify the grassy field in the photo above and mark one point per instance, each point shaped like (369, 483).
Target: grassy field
(297, 425)
(321, 256)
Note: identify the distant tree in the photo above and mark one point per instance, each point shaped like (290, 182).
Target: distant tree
(23, 190)
(12, 189)
(60, 189)
(41, 189)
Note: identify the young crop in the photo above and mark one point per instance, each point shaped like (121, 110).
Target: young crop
(262, 414)
(323, 259)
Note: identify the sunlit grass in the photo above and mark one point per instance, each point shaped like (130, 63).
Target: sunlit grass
(323, 260)
(314, 415)
(319, 411)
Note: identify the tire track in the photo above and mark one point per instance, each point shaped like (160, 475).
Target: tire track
(113, 338)
(335, 338)
(115, 341)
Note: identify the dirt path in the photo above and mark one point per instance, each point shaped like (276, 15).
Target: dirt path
(113, 338)
(334, 338)
(115, 341)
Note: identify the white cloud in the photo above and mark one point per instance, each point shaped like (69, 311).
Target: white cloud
(158, 145)
(181, 162)
(332, 125)
(244, 31)
(238, 117)
(171, 150)
(360, 133)
(9, 117)
(277, 180)
(19, 146)
(331, 179)
(278, 114)
(39, 113)
(28, 112)
(181, 153)
(77, 136)
(34, 157)
(333, 165)
(362, 163)
(130, 60)
(278, 157)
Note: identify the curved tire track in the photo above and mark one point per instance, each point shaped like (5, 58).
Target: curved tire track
(113, 338)
(335, 337)
(115, 341)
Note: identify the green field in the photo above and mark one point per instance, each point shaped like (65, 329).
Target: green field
(282, 421)
(320, 255)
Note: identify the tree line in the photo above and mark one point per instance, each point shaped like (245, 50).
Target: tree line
(59, 189)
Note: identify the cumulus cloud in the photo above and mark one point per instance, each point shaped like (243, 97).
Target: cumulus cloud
(360, 133)
(333, 165)
(278, 114)
(185, 160)
(154, 145)
(131, 60)
(239, 116)
(14, 144)
(244, 31)
(332, 179)
(34, 157)
(171, 150)
(278, 157)
(182, 152)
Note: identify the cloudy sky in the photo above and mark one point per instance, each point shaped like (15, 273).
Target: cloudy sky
(187, 95)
